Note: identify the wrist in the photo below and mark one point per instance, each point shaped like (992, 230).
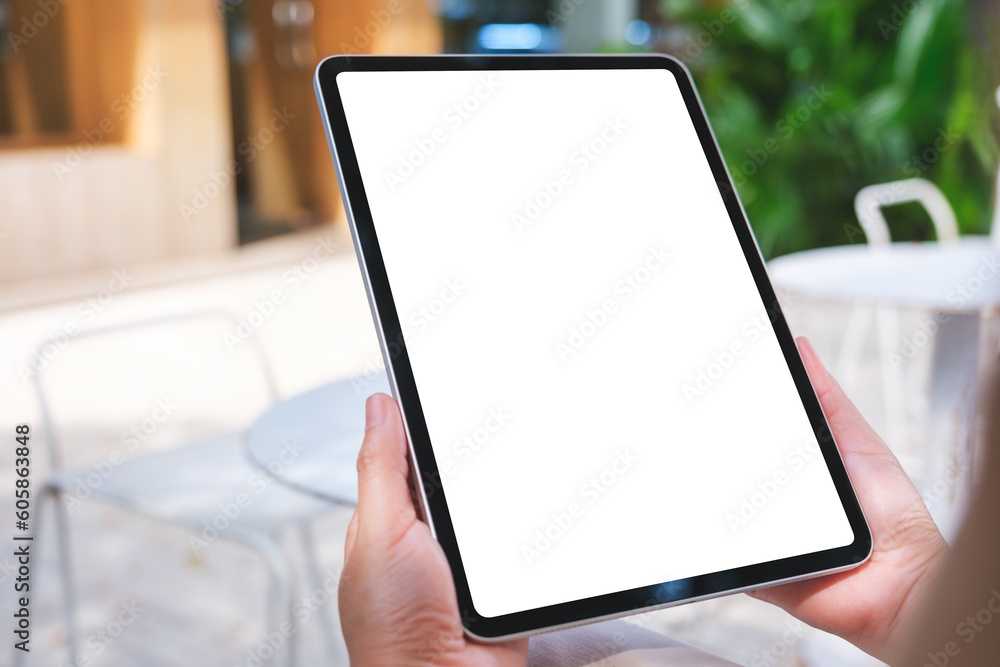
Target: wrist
(899, 626)
(389, 655)
(382, 658)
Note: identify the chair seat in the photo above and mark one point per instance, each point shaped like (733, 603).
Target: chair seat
(205, 483)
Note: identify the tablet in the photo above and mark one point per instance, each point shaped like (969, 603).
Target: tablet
(606, 411)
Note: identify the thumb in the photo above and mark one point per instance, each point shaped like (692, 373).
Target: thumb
(385, 508)
(854, 436)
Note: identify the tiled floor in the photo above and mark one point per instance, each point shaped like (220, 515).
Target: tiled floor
(208, 609)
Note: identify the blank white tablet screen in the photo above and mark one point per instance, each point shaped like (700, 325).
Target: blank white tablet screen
(608, 404)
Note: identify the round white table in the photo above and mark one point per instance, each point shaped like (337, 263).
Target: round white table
(957, 281)
(938, 276)
(310, 442)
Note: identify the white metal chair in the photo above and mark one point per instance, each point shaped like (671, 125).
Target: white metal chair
(186, 485)
(868, 206)
(869, 202)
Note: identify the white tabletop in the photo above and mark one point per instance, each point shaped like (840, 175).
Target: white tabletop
(311, 441)
(958, 277)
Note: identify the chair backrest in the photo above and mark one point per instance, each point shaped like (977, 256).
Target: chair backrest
(869, 202)
(89, 378)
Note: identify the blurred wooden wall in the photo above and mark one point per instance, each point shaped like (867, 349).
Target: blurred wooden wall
(122, 127)
(131, 105)
(294, 177)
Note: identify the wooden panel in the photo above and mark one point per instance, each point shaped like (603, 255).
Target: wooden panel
(384, 26)
(191, 128)
(102, 39)
(67, 69)
(295, 175)
(24, 122)
(6, 120)
(39, 68)
(414, 28)
(120, 199)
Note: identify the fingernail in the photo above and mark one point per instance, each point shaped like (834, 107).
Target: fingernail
(375, 411)
(805, 348)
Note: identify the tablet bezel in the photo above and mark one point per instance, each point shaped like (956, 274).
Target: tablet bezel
(387, 324)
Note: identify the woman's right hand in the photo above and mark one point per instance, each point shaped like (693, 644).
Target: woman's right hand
(874, 605)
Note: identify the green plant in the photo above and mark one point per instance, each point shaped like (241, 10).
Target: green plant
(811, 100)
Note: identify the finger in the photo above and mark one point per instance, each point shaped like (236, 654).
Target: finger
(384, 504)
(352, 535)
(850, 430)
(891, 502)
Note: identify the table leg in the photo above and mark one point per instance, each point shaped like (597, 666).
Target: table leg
(887, 319)
(950, 436)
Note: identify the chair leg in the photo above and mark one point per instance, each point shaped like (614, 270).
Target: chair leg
(849, 355)
(894, 395)
(280, 595)
(333, 652)
(271, 602)
(293, 642)
(65, 569)
(65, 572)
(18, 657)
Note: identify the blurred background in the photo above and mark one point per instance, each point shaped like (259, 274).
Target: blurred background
(163, 159)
